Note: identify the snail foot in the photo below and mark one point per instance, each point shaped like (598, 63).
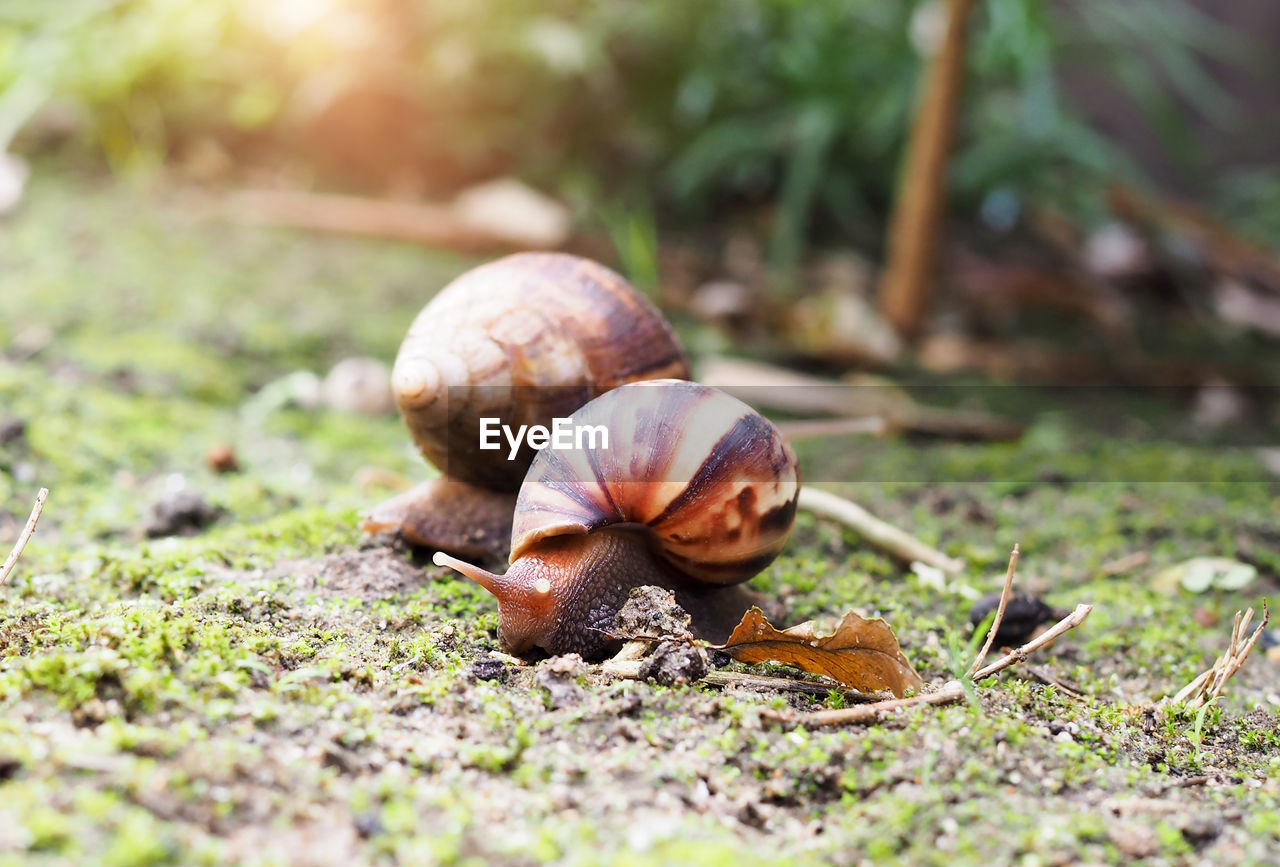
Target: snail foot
(448, 515)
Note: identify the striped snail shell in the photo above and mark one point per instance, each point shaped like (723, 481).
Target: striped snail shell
(525, 339)
(696, 492)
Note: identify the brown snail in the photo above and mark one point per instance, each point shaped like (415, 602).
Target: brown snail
(695, 492)
(525, 339)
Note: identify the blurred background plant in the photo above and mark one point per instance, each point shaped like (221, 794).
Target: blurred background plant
(790, 116)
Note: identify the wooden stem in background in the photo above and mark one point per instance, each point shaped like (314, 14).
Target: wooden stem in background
(913, 232)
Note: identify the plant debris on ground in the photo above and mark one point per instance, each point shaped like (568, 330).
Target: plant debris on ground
(278, 688)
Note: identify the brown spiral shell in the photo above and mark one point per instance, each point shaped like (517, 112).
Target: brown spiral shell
(713, 481)
(525, 339)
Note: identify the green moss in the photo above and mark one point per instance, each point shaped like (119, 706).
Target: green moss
(164, 700)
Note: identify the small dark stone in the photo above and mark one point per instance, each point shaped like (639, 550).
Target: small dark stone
(1202, 829)
(9, 767)
(1270, 639)
(368, 824)
(651, 612)
(181, 513)
(1057, 478)
(487, 669)
(718, 659)
(1022, 616)
(337, 756)
(12, 430)
(674, 663)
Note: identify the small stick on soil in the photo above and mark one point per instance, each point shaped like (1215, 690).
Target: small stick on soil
(629, 669)
(879, 534)
(1212, 683)
(1124, 564)
(951, 692)
(1004, 601)
(1049, 680)
(12, 559)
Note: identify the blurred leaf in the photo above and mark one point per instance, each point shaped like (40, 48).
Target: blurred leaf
(1201, 574)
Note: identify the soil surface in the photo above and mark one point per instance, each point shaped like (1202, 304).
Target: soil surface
(275, 688)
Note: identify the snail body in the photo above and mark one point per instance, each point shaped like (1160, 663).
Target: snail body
(696, 493)
(524, 340)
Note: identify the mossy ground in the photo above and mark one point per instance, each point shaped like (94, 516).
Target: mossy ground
(277, 690)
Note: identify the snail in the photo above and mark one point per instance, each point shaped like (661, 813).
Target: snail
(524, 339)
(695, 492)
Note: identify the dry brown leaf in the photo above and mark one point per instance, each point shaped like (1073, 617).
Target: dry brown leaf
(862, 654)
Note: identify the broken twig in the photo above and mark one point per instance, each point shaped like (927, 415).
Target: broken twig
(12, 559)
(879, 534)
(1004, 602)
(1212, 683)
(629, 669)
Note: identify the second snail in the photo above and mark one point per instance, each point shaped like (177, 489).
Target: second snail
(524, 339)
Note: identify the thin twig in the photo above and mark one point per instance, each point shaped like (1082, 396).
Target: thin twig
(1004, 601)
(1124, 564)
(879, 534)
(12, 559)
(866, 713)
(1049, 679)
(629, 669)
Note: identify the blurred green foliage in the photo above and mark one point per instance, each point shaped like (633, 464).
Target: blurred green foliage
(790, 111)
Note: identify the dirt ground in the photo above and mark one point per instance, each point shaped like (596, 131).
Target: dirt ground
(275, 688)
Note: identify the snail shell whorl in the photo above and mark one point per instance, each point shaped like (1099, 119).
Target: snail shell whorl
(712, 480)
(527, 338)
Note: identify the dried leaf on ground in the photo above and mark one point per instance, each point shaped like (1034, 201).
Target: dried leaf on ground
(862, 654)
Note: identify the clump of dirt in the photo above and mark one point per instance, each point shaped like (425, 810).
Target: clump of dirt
(651, 612)
(1024, 614)
(559, 677)
(674, 663)
(487, 669)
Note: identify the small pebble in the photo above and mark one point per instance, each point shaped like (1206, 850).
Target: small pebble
(1134, 840)
(1201, 829)
(180, 513)
(12, 430)
(368, 824)
(558, 676)
(1205, 617)
(221, 459)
